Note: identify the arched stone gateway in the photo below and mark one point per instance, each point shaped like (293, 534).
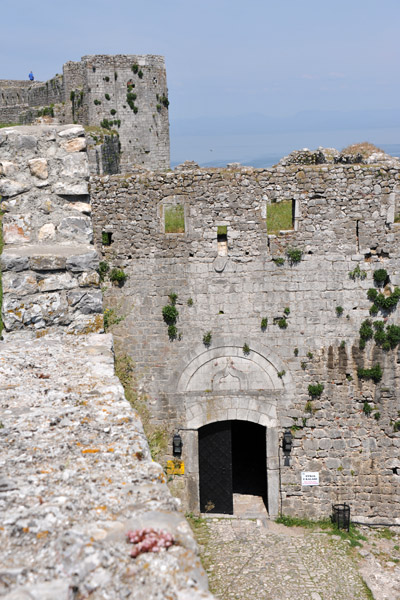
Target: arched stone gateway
(230, 396)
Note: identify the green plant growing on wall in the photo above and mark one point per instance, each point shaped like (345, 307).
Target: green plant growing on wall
(396, 426)
(173, 298)
(104, 268)
(373, 311)
(281, 374)
(388, 302)
(135, 68)
(282, 323)
(357, 273)
(377, 416)
(207, 337)
(110, 318)
(246, 348)
(372, 294)
(156, 435)
(115, 75)
(105, 124)
(106, 78)
(294, 255)
(170, 314)
(164, 101)
(264, 323)
(310, 355)
(97, 102)
(375, 373)
(309, 407)
(296, 351)
(118, 276)
(113, 111)
(367, 409)
(140, 74)
(315, 390)
(172, 332)
(190, 302)
(279, 261)
(107, 96)
(380, 277)
(303, 365)
(339, 311)
(366, 333)
(286, 311)
(342, 344)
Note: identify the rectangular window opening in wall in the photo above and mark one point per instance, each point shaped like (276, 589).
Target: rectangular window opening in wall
(281, 216)
(106, 238)
(222, 240)
(174, 218)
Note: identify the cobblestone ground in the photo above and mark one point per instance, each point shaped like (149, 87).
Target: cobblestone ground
(246, 560)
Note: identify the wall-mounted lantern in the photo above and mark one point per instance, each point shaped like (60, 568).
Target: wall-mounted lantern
(287, 446)
(177, 445)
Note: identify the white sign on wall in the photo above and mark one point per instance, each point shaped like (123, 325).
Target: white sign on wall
(309, 478)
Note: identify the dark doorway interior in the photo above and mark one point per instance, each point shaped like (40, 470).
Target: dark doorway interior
(232, 459)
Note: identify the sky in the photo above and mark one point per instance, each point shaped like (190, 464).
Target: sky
(226, 59)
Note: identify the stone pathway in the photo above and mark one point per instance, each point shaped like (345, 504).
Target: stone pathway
(247, 560)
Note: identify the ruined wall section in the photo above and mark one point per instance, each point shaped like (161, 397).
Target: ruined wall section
(130, 91)
(77, 472)
(344, 223)
(124, 93)
(50, 266)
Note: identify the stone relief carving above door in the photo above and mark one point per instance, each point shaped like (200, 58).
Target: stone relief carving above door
(233, 373)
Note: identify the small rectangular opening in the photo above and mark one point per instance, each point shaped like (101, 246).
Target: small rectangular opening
(222, 240)
(280, 216)
(106, 238)
(174, 219)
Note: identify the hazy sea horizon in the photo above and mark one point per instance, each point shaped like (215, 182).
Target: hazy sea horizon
(265, 150)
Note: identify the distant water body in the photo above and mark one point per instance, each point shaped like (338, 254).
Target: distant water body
(265, 150)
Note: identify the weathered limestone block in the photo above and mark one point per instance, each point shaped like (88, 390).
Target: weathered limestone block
(19, 285)
(39, 168)
(71, 131)
(41, 310)
(75, 145)
(76, 228)
(7, 168)
(75, 166)
(91, 279)
(65, 188)
(88, 261)
(12, 262)
(9, 187)
(47, 232)
(58, 281)
(86, 301)
(17, 229)
(47, 262)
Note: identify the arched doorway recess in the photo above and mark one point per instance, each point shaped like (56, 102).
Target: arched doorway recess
(232, 460)
(226, 384)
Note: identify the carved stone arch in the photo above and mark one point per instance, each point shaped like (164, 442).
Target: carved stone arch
(225, 366)
(222, 383)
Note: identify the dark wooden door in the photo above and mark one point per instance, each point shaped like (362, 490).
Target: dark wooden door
(215, 468)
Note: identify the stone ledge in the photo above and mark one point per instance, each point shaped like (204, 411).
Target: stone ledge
(76, 476)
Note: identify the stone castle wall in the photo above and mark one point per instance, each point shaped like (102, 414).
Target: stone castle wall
(50, 265)
(343, 223)
(125, 93)
(76, 468)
